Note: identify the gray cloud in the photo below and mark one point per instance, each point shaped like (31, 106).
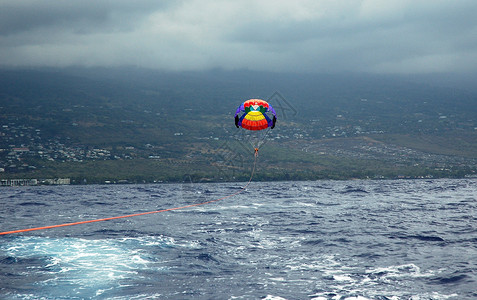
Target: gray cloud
(393, 36)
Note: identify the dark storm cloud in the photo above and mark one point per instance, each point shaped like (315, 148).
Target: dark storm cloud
(394, 36)
(21, 16)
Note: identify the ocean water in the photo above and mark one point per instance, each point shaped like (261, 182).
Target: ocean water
(355, 240)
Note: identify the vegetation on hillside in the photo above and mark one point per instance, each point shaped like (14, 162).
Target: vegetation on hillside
(99, 126)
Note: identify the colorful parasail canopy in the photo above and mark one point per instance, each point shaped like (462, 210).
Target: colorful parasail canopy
(254, 115)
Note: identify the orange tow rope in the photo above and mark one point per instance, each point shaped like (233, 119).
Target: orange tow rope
(135, 215)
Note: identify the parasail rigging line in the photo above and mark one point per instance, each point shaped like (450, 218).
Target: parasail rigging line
(263, 139)
(138, 214)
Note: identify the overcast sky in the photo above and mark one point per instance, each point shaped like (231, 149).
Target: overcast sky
(382, 36)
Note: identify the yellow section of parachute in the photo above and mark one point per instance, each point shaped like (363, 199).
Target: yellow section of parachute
(254, 116)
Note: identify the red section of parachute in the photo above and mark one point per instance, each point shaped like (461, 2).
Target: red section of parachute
(254, 125)
(255, 102)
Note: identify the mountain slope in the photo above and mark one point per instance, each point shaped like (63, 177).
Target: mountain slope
(185, 120)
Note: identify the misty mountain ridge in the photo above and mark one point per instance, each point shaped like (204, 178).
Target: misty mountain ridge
(125, 93)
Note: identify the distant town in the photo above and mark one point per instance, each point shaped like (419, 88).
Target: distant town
(28, 182)
(20, 144)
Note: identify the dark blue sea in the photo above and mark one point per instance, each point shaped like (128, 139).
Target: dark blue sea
(354, 240)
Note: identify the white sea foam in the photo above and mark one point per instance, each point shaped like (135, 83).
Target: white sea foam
(271, 297)
(407, 270)
(87, 266)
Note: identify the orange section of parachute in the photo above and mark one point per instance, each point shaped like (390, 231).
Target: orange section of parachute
(254, 125)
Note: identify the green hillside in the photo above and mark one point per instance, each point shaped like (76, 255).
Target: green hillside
(133, 125)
